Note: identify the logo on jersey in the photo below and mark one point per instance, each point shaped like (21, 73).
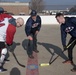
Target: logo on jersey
(35, 25)
(69, 29)
(2, 24)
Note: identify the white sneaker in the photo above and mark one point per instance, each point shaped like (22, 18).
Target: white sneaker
(2, 70)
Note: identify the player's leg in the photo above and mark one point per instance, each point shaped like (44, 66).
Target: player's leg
(2, 57)
(70, 51)
(35, 43)
(30, 48)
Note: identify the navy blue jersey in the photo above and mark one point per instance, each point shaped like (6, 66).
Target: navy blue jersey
(68, 27)
(32, 26)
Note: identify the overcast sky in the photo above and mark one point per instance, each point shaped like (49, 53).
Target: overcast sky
(52, 2)
(60, 2)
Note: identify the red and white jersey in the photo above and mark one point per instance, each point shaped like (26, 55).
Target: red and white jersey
(3, 29)
(7, 30)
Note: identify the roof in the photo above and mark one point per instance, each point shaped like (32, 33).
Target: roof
(12, 3)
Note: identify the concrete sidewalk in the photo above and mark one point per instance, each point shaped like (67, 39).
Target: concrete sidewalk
(49, 42)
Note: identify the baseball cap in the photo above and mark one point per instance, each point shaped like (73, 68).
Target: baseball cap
(33, 13)
(2, 10)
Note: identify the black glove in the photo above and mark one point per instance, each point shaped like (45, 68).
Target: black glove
(9, 47)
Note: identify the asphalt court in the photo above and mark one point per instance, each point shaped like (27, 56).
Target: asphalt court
(49, 46)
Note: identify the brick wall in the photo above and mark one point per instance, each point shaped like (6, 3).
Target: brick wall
(15, 8)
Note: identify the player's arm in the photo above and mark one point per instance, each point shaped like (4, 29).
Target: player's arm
(63, 36)
(28, 27)
(10, 34)
(73, 20)
(39, 26)
(7, 16)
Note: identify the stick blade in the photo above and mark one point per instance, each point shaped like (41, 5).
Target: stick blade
(44, 64)
(18, 61)
(22, 65)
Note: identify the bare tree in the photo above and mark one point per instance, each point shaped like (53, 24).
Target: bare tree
(37, 5)
(73, 9)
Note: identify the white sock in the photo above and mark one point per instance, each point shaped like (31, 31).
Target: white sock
(2, 58)
(3, 53)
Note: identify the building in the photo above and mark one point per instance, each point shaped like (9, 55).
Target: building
(16, 8)
(53, 12)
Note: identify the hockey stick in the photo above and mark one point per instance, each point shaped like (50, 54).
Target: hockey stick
(17, 60)
(11, 49)
(50, 62)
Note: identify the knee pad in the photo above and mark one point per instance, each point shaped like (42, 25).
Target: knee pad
(4, 51)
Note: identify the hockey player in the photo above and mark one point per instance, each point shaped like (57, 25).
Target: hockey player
(32, 28)
(7, 30)
(68, 26)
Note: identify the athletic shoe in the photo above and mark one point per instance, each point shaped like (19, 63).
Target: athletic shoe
(2, 70)
(73, 70)
(36, 51)
(67, 61)
(31, 56)
(6, 60)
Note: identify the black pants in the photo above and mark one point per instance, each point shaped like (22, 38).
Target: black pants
(2, 45)
(32, 44)
(70, 49)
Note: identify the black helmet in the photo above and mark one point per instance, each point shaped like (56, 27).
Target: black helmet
(33, 13)
(1, 10)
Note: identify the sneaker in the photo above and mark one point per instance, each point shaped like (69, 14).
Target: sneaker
(31, 56)
(67, 61)
(36, 51)
(3, 70)
(73, 70)
(6, 60)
